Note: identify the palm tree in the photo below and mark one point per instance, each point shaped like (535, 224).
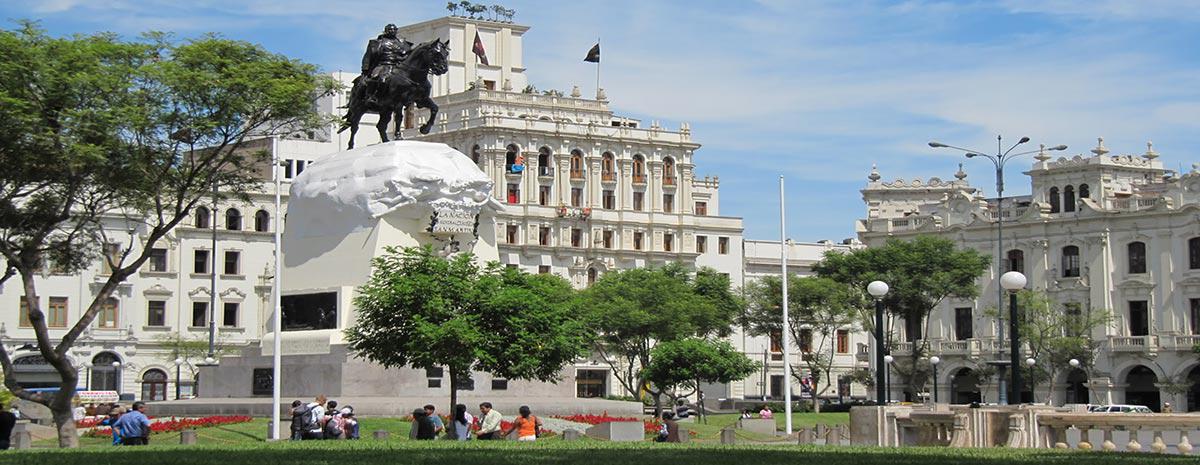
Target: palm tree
(452, 7)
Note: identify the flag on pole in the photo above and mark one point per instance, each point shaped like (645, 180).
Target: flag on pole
(478, 49)
(593, 55)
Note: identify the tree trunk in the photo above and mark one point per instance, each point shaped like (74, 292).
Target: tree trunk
(451, 426)
(64, 420)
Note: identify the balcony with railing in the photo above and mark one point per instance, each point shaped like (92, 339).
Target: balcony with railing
(639, 179)
(864, 353)
(668, 180)
(964, 347)
(1131, 204)
(1134, 343)
(546, 171)
(608, 176)
(1185, 342)
(577, 175)
(902, 348)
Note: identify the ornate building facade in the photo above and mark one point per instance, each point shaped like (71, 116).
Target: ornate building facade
(1103, 233)
(585, 192)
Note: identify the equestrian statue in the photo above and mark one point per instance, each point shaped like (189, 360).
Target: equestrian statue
(394, 75)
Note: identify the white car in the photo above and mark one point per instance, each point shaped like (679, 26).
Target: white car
(1119, 408)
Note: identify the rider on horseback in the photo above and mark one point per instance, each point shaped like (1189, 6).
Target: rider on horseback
(383, 55)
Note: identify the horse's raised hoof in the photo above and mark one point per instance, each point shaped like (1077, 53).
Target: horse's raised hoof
(425, 129)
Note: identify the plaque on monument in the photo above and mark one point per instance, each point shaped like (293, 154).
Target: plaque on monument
(263, 382)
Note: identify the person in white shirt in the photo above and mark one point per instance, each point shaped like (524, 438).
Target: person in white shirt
(318, 413)
(489, 426)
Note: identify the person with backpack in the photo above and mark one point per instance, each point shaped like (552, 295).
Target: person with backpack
(301, 419)
(349, 423)
(527, 426)
(314, 426)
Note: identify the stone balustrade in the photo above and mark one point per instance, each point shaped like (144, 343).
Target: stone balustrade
(1022, 426)
(1159, 433)
(1134, 343)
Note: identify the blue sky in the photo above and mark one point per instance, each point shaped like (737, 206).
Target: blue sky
(814, 91)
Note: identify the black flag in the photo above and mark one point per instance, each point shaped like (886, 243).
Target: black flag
(593, 55)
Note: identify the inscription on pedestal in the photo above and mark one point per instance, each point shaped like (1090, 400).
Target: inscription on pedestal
(292, 345)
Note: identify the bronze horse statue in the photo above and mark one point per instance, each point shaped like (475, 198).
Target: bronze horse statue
(408, 84)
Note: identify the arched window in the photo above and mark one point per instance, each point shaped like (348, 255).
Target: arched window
(576, 164)
(511, 154)
(592, 276)
(1137, 257)
(1016, 261)
(1084, 191)
(475, 153)
(607, 167)
(1054, 200)
(545, 168)
(639, 169)
(154, 385)
(668, 171)
(105, 376)
(1070, 261)
(262, 221)
(233, 219)
(1069, 198)
(202, 217)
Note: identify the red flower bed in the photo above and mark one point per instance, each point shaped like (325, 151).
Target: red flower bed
(180, 424)
(651, 426)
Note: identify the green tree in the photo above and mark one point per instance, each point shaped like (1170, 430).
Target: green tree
(192, 350)
(1055, 334)
(679, 367)
(817, 309)
(127, 135)
(421, 310)
(921, 274)
(634, 310)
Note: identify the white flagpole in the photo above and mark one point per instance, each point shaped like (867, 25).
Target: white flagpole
(276, 358)
(787, 339)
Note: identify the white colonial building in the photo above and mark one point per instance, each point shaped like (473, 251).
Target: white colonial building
(585, 191)
(763, 258)
(1101, 233)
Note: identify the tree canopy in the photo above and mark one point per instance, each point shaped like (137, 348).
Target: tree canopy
(817, 308)
(110, 143)
(633, 310)
(920, 273)
(421, 310)
(687, 363)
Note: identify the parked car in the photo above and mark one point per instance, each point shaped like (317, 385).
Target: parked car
(1119, 408)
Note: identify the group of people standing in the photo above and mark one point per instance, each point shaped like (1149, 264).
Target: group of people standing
(427, 425)
(322, 419)
(130, 427)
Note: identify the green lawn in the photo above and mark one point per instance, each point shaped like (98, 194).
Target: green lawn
(244, 433)
(557, 452)
(711, 431)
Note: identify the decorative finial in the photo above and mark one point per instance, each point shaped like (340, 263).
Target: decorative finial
(575, 92)
(600, 95)
(874, 176)
(1100, 150)
(960, 175)
(1041, 155)
(1150, 153)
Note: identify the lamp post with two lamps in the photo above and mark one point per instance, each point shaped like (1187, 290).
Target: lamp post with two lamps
(998, 160)
(934, 361)
(878, 289)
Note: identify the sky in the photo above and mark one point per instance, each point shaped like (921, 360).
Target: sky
(814, 91)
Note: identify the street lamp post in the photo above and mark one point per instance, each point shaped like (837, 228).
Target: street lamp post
(998, 160)
(878, 289)
(933, 362)
(1030, 362)
(117, 376)
(178, 379)
(1014, 281)
(887, 360)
